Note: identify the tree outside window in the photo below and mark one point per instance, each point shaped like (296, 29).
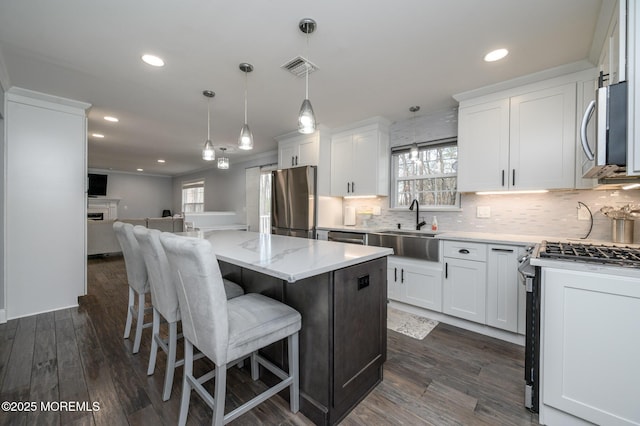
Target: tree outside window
(431, 178)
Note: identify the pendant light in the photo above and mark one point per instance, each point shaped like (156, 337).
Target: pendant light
(223, 162)
(414, 147)
(245, 141)
(306, 118)
(208, 153)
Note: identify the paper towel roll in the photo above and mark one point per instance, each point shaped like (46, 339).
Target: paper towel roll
(349, 216)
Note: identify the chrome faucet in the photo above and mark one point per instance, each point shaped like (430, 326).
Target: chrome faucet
(418, 223)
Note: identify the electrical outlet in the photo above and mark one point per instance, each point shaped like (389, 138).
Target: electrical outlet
(583, 214)
(483, 211)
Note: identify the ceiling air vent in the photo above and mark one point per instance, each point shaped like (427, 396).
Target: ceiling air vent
(298, 66)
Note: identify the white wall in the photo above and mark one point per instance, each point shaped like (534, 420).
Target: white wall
(140, 195)
(224, 190)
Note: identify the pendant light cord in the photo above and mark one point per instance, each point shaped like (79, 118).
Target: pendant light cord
(208, 120)
(307, 69)
(245, 96)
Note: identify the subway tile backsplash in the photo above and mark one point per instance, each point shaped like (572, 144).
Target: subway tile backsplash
(550, 214)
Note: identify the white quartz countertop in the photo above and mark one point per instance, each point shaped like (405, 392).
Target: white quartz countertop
(287, 258)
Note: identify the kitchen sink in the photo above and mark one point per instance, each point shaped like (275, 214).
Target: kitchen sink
(415, 244)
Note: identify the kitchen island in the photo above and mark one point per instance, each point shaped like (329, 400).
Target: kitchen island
(341, 292)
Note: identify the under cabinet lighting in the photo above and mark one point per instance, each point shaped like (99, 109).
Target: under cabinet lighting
(533, 191)
(140, 170)
(359, 196)
(97, 135)
(161, 160)
(111, 119)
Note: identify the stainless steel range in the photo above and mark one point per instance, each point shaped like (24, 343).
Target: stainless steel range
(580, 252)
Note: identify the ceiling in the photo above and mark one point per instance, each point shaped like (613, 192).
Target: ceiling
(374, 58)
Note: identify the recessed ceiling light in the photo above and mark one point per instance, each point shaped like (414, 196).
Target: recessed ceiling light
(140, 170)
(496, 55)
(112, 119)
(97, 135)
(153, 60)
(161, 160)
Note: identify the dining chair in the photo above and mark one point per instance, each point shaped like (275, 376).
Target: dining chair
(137, 279)
(227, 330)
(165, 303)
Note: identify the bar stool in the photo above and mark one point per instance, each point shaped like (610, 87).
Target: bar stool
(226, 331)
(165, 303)
(137, 279)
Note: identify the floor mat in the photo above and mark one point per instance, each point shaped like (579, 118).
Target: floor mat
(409, 324)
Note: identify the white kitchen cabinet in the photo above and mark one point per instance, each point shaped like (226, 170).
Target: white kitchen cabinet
(590, 348)
(522, 141)
(45, 202)
(296, 150)
(612, 61)
(299, 150)
(415, 282)
(502, 287)
(360, 159)
(633, 71)
(465, 280)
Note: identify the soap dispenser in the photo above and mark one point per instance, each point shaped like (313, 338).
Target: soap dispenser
(434, 224)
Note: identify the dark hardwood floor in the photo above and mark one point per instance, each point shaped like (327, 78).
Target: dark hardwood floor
(78, 355)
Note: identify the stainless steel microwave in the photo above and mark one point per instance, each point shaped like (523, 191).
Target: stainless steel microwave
(607, 154)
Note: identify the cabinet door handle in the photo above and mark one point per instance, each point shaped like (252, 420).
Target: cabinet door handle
(348, 187)
(402, 275)
(353, 187)
(463, 251)
(292, 161)
(513, 177)
(296, 160)
(502, 177)
(395, 275)
(446, 270)
(502, 250)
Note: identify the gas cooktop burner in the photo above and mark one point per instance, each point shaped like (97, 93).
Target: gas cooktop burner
(611, 255)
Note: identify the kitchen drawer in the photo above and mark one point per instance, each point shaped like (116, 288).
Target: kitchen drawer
(465, 250)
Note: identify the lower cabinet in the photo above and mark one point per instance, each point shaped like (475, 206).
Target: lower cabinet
(465, 280)
(590, 348)
(502, 287)
(415, 282)
(464, 289)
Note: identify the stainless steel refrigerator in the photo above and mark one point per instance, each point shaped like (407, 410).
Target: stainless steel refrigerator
(293, 202)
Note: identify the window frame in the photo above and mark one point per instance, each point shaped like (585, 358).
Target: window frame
(395, 179)
(194, 184)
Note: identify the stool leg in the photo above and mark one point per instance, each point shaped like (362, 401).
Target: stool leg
(171, 360)
(155, 334)
(186, 386)
(139, 323)
(294, 390)
(220, 390)
(132, 299)
(255, 368)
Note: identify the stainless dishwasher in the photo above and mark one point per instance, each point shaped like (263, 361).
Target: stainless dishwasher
(348, 237)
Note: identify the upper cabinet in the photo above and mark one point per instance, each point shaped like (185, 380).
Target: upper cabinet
(296, 150)
(633, 72)
(612, 61)
(360, 159)
(521, 139)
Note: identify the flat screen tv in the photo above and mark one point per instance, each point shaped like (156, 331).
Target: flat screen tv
(97, 185)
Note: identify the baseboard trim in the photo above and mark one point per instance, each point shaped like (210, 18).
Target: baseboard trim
(507, 336)
(43, 312)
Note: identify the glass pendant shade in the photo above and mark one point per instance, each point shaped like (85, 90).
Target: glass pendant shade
(223, 163)
(306, 118)
(208, 153)
(245, 141)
